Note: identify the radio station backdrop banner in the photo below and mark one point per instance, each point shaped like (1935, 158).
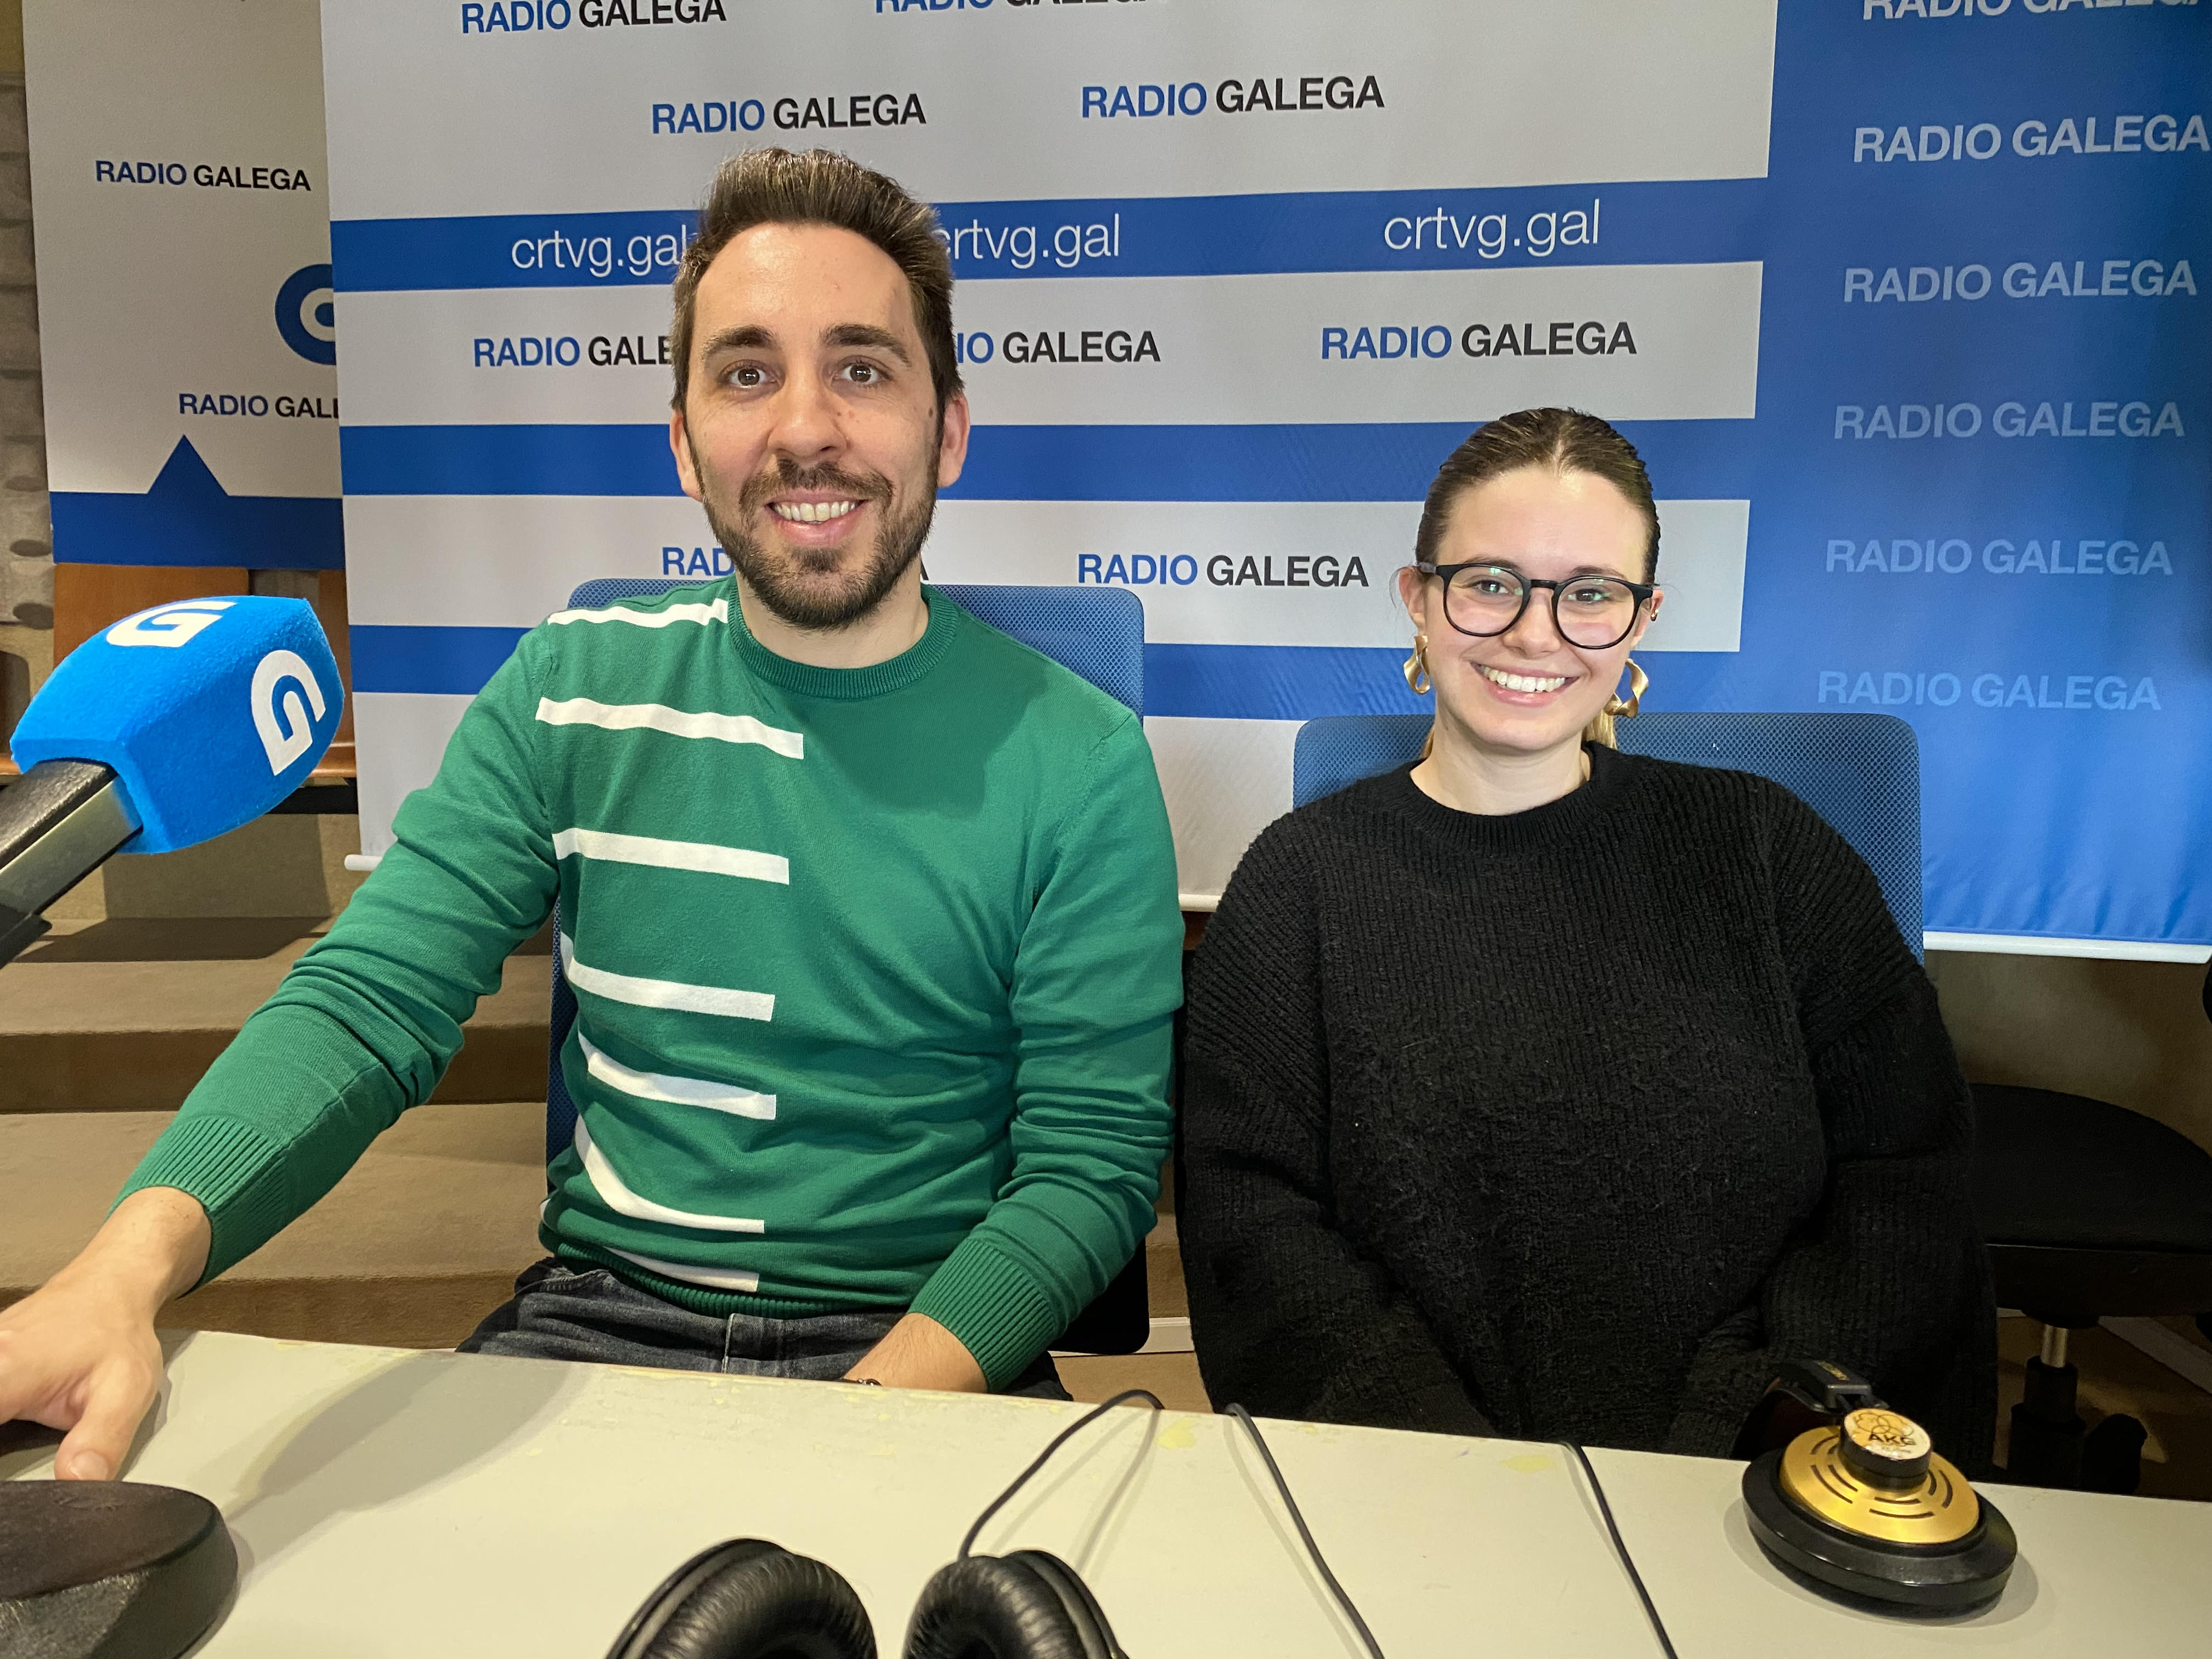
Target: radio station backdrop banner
(185, 303)
(1903, 300)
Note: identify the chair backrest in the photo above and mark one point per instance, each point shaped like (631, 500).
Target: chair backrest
(1860, 772)
(1096, 632)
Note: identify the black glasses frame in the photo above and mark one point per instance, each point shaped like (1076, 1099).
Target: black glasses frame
(1644, 591)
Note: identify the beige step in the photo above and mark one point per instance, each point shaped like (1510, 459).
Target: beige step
(123, 1016)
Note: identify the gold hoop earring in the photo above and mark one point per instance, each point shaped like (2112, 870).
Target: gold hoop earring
(1418, 680)
(1639, 683)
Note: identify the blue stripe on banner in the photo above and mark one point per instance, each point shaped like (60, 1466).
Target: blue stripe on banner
(260, 533)
(1692, 460)
(507, 460)
(1697, 459)
(508, 250)
(1671, 223)
(453, 661)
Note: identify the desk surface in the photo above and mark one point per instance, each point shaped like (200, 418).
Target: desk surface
(395, 1503)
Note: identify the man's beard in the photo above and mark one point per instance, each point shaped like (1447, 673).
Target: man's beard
(776, 577)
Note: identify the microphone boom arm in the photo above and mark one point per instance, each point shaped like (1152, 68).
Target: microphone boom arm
(58, 823)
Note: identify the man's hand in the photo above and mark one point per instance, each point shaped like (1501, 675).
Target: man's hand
(80, 1353)
(917, 1352)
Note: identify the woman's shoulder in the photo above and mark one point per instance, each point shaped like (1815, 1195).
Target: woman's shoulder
(1286, 858)
(1819, 879)
(1733, 803)
(1353, 814)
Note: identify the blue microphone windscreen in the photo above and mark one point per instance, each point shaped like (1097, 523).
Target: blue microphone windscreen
(210, 712)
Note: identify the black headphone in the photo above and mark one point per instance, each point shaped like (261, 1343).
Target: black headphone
(749, 1599)
(1866, 1508)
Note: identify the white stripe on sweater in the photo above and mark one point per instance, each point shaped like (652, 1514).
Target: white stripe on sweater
(716, 611)
(664, 992)
(713, 1278)
(677, 722)
(673, 1091)
(704, 856)
(622, 1200)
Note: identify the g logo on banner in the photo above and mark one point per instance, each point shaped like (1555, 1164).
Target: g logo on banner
(169, 625)
(309, 329)
(287, 734)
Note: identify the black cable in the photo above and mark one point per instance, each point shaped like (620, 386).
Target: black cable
(1620, 1548)
(1042, 1457)
(1282, 1486)
(1366, 1636)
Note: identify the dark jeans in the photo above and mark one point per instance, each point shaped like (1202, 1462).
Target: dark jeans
(560, 1312)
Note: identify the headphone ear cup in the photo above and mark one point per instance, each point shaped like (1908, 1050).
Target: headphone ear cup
(1029, 1605)
(749, 1599)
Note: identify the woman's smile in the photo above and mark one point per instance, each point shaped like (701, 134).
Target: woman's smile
(1521, 687)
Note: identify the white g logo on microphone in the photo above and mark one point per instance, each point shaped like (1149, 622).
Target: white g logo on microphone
(286, 730)
(171, 625)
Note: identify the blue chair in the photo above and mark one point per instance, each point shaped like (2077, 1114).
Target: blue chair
(1096, 632)
(1860, 772)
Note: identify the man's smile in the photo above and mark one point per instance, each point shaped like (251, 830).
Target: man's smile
(800, 512)
(823, 520)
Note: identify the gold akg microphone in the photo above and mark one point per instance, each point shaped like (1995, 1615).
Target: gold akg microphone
(1865, 1506)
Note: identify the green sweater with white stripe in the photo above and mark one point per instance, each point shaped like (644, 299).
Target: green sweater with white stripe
(875, 971)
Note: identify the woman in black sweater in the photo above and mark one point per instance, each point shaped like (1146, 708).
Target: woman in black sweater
(1545, 1092)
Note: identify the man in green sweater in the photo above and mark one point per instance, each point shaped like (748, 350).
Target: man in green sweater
(869, 910)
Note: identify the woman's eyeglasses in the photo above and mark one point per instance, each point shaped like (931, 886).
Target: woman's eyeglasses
(1593, 612)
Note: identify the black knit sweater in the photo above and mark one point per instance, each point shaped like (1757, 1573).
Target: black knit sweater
(1568, 1124)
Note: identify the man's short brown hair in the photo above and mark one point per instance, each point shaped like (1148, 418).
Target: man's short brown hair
(821, 187)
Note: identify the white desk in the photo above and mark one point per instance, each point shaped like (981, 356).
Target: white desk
(404, 1503)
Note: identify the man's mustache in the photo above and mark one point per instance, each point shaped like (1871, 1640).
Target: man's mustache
(826, 478)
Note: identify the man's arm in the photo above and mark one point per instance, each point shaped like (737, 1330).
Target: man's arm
(367, 1021)
(1096, 983)
(361, 1029)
